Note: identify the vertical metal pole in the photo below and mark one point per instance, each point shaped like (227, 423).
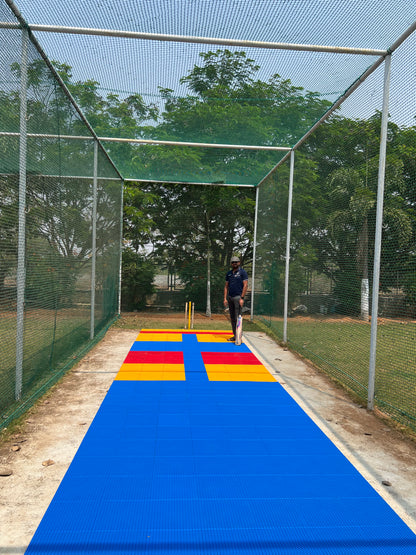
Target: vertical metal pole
(121, 248)
(253, 273)
(288, 230)
(21, 245)
(377, 240)
(208, 313)
(94, 240)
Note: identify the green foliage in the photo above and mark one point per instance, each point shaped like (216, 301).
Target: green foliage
(138, 224)
(137, 278)
(347, 152)
(334, 203)
(229, 105)
(50, 279)
(409, 285)
(192, 223)
(194, 276)
(347, 290)
(222, 69)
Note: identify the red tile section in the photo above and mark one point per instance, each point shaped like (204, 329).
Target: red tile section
(229, 358)
(194, 332)
(154, 357)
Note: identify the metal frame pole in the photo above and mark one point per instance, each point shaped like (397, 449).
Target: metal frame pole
(288, 230)
(377, 240)
(150, 142)
(21, 245)
(94, 240)
(121, 248)
(200, 40)
(253, 272)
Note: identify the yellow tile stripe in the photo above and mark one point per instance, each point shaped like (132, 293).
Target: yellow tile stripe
(143, 371)
(151, 376)
(159, 337)
(236, 368)
(239, 377)
(213, 337)
(146, 367)
(238, 372)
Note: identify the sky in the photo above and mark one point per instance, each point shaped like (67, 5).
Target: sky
(127, 66)
(138, 66)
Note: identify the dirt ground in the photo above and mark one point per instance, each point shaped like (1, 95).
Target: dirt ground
(35, 455)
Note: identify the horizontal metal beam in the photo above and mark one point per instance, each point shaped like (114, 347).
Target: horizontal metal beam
(201, 145)
(200, 40)
(213, 184)
(90, 177)
(76, 177)
(145, 141)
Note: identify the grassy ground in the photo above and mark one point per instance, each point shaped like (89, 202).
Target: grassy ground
(176, 320)
(49, 345)
(341, 347)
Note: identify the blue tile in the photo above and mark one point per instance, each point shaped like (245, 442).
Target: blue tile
(201, 467)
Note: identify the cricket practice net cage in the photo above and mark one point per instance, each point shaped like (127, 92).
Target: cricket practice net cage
(273, 130)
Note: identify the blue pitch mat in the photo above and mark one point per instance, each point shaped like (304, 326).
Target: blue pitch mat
(213, 467)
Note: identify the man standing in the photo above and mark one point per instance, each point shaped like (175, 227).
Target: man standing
(236, 282)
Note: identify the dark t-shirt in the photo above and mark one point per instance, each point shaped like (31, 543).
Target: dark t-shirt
(235, 281)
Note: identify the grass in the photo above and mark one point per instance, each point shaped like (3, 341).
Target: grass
(50, 348)
(341, 348)
(176, 320)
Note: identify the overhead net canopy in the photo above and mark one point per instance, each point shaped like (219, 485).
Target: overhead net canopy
(212, 92)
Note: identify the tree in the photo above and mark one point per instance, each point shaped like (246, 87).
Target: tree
(227, 104)
(112, 116)
(59, 209)
(137, 277)
(197, 228)
(348, 225)
(272, 231)
(348, 171)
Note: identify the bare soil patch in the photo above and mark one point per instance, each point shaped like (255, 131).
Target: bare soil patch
(38, 451)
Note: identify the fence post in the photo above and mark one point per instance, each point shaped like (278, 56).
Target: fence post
(289, 225)
(121, 247)
(253, 272)
(377, 240)
(94, 240)
(21, 241)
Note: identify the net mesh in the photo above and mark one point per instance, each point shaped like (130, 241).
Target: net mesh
(332, 246)
(57, 244)
(157, 90)
(198, 92)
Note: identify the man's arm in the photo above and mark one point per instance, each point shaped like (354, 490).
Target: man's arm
(226, 293)
(243, 294)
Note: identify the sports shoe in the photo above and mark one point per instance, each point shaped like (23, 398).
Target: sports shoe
(231, 338)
